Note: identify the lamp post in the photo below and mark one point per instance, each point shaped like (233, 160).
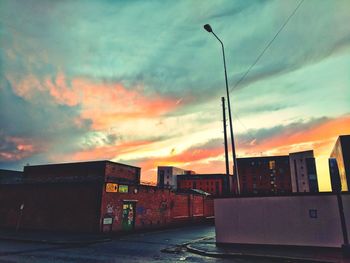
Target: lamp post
(208, 28)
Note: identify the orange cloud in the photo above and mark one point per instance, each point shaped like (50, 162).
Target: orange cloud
(321, 137)
(107, 103)
(192, 159)
(20, 148)
(104, 152)
(103, 103)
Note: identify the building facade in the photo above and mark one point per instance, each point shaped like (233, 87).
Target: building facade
(167, 176)
(303, 172)
(100, 196)
(334, 175)
(264, 175)
(341, 153)
(214, 184)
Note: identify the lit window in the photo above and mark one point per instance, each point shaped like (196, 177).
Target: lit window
(272, 165)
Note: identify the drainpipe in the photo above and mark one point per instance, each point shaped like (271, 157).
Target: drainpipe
(345, 246)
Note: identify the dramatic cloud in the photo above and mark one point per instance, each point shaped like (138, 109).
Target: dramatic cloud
(141, 81)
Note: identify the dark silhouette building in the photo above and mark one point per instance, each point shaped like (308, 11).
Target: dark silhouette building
(100, 196)
(341, 153)
(262, 175)
(334, 175)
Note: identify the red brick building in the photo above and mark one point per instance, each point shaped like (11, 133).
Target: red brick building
(264, 175)
(215, 184)
(99, 196)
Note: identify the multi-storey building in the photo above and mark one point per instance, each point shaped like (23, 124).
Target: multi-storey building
(167, 176)
(214, 184)
(341, 153)
(303, 171)
(264, 174)
(334, 175)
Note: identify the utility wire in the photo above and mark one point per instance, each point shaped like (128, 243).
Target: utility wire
(267, 46)
(259, 57)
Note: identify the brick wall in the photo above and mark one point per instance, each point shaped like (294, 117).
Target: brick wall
(64, 206)
(81, 207)
(154, 207)
(209, 207)
(122, 173)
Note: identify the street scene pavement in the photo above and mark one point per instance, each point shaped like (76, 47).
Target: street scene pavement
(158, 246)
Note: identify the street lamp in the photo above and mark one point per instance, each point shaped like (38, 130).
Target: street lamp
(208, 28)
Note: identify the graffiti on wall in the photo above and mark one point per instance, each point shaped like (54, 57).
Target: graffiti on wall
(109, 209)
(163, 206)
(140, 210)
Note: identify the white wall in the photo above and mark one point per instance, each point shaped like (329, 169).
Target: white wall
(280, 220)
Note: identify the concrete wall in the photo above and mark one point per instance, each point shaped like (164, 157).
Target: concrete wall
(310, 220)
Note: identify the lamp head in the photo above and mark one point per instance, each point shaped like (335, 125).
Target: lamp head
(208, 28)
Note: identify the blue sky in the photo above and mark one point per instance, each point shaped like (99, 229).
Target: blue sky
(141, 81)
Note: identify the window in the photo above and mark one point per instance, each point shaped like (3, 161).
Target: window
(272, 165)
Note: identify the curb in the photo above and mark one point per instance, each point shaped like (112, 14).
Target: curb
(56, 242)
(178, 248)
(252, 256)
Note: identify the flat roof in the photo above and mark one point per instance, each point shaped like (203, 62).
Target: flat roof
(301, 152)
(285, 194)
(200, 176)
(80, 163)
(263, 157)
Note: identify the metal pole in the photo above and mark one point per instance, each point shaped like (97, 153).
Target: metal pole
(19, 219)
(235, 169)
(225, 140)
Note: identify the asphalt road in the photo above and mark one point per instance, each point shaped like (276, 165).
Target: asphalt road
(143, 247)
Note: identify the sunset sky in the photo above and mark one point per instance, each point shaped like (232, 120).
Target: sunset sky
(140, 82)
